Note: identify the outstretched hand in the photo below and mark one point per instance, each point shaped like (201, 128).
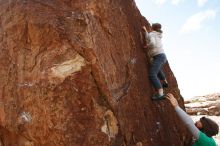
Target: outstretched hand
(145, 47)
(144, 28)
(172, 100)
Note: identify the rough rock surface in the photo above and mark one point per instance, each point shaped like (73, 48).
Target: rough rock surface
(204, 105)
(74, 73)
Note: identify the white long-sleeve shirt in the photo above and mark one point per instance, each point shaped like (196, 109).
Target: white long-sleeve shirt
(154, 41)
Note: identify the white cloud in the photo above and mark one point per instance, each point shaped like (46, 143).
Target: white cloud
(201, 2)
(195, 22)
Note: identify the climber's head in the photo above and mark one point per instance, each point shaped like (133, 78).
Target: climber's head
(157, 27)
(207, 126)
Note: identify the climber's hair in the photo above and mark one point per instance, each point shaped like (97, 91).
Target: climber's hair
(209, 127)
(157, 27)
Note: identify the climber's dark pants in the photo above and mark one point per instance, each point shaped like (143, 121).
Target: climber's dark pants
(156, 74)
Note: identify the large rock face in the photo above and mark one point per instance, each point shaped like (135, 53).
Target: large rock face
(74, 73)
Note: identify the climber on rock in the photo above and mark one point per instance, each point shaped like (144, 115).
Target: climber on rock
(202, 130)
(158, 59)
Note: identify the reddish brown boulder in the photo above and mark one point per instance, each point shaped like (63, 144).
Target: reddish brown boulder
(74, 73)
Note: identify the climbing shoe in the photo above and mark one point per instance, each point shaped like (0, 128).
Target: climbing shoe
(158, 97)
(165, 85)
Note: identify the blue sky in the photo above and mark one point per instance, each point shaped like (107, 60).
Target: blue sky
(191, 41)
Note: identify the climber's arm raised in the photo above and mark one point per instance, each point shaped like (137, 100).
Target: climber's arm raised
(146, 37)
(184, 116)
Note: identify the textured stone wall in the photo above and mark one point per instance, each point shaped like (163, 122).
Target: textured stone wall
(74, 73)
